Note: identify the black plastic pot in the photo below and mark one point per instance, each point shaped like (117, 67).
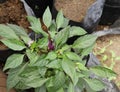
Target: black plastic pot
(2, 1)
(113, 3)
(39, 6)
(111, 12)
(4, 54)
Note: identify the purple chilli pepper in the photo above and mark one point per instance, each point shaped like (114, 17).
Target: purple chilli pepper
(50, 45)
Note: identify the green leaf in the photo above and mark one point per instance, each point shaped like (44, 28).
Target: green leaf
(21, 85)
(43, 42)
(41, 62)
(29, 72)
(7, 32)
(51, 55)
(81, 84)
(14, 44)
(54, 64)
(61, 37)
(52, 29)
(73, 56)
(59, 80)
(103, 72)
(36, 25)
(21, 32)
(65, 23)
(69, 68)
(32, 56)
(41, 89)
(47, 17)
(36, 82)
(84, 41)
(95, 84)
(14, 61)
(87, 50)
(49, 83)
(71, 88)
(12, 80)
(81, 66)
(66, 47)
(60, 90)
(59, 19)
(13, 76)
(76, 31)
(42, 71)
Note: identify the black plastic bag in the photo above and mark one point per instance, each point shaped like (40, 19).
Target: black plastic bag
(2, 1)
(111, 12)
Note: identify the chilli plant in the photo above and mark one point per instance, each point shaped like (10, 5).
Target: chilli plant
(47, 63)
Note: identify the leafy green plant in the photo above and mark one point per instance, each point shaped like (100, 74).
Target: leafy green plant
(48, 63)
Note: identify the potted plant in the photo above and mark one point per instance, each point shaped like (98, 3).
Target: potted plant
(48, 63)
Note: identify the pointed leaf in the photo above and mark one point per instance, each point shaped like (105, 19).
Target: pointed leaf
(41, 89)
(41, 62)
(81, 66)
(59, 19)
(21, 85)
(76, 31)
(17, 29)
(32, 56)
(60, 90)
(21, 32)
(87, 50)
(84, 41)
(103, 72)
(73, 56)
(59, 80)
(14, 44)
(62, 37)
(14, 61)
(71, 88)
(36, 25)
(65, 23)
(54, 64)
(95, 84)
(7, 32)
(51, 55)
(36, 82)
(69, 68)
(47, 17)
(42, 71)
(13, 76)
(29, 71)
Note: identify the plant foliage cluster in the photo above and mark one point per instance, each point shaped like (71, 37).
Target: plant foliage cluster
(48, 63)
